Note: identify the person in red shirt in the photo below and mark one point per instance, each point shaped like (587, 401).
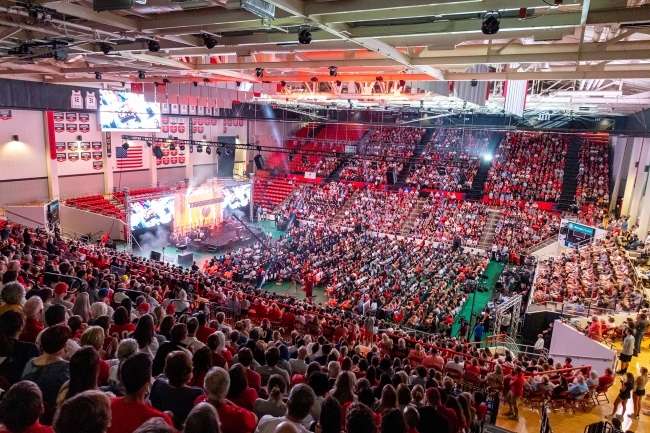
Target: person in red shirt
(130, 412)
(516, 392)
(204, 331)
(234, 419)
(245, 358)
(607, 378)
(274, 313)
(122, 326)
(20, 408)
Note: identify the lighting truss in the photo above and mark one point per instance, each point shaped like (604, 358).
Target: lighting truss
(247, 146)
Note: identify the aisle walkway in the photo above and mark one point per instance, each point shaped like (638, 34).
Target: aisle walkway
(493, 271)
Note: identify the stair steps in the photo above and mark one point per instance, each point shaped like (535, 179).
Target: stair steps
(571, 170)
(345, 207)
(478, 183)
(417, 152)
(487, 238)
(413, 216)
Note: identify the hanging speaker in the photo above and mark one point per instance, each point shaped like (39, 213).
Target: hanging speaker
(259, 162)
(158, 153)
(391, 177)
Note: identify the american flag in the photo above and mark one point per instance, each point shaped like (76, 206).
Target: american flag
(129, 158)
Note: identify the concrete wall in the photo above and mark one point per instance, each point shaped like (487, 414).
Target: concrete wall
(567, 341)
(30, 216)
(83, 222)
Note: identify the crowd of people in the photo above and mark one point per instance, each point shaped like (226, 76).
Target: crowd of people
(373, 172)
(380, 211)
(519, 228)
(442, 219)
(528, 166)
(593, 174)
(596, 278)
(450, 160)
(319, 202)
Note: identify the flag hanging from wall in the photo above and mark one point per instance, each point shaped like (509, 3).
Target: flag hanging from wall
(128, 158)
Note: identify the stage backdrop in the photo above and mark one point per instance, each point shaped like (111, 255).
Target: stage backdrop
(197, 207)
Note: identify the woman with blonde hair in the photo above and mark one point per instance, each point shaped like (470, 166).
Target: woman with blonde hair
(416, 355)
(343, 390)
(388, 399)
(81, 307)
(385, 345)
(417, 396)
(639, 391)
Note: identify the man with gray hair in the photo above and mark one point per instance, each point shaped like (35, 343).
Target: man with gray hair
(234, 419)
(13, 297)
(299, 365)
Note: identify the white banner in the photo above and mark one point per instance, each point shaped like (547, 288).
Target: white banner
(350, 149)
(310, 175)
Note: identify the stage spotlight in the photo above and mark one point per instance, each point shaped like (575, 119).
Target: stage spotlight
(290, 157)
(181, 147)
(154, 46)
(196, 84)
(199, 148)
(334, 71)
(98, 75)
(338, 83)
(166, 80)
(209, 41)
(227, 152)
(149, 143)
(172, 146)
(142, 75)
(218, 152)
(473, 83)
(105, 48)
(259, 72)
(487, 157)
(125, 145)
(304, 37)
(206, 80)
(314, 79)
(283, 83)
(491, 23)
(208, 150)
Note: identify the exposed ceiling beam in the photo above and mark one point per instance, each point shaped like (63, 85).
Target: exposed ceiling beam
(83, 12)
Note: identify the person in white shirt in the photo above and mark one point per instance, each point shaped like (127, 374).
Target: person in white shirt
(192, 343)
(539, 344)
(299, 366)
(299, 406)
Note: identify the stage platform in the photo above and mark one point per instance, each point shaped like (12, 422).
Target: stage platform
(226, 238)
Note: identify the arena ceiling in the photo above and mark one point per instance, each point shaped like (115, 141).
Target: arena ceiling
(589, 55)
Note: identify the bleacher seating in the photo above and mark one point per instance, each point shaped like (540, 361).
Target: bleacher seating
(593, 175)
(269, 192)
(96, 204)
(142, 191)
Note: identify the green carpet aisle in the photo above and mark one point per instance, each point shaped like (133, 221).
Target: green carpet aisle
(493, 271)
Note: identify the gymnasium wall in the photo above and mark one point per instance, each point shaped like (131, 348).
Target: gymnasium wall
(170, 175)
(81, 184)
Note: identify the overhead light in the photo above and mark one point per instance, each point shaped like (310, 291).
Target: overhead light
(218, 152)
(196, 84)
(290, 157)
(487, 157)
(181, 147)
(125, 145)
(209, 41)
(473, 83)
(14, 137)
(79, 138)
(199, 148)
(141, 75)
(172, 146)
(154, 46)
(227, 152)
(491, 23)
(304, 36)
(283, 83)
(105, 48)
(333, 71)
(149, 143)
(98, 75)
(259, 72)
(208, 150)
(166, 80)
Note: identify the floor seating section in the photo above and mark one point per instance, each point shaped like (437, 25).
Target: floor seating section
(271, 192)
(96, 204)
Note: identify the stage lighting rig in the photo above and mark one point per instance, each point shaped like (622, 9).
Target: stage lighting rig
(142, 75)
(125, 145)
(259, 72)
(491, 23)
(208, 150)
(304, 36)
(153, 45)
(98, 75)
(105, 48)
(199, 148)
(218, 152)
(209, 41)
(334, 71)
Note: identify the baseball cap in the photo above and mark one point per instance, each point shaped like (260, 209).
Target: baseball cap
(170, 308)
(60, 288)
(144, 307)
(103, 293)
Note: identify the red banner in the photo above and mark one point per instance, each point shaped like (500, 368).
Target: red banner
(50, 134)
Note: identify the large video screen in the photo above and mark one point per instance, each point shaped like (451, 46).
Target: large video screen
(150, 213)
(125, 111)
(237, 197)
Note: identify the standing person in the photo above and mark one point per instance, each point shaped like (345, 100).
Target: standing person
(369, 328)
(639, 391)
(478, 332)
(627, 352)
(515, 393)
(639, 330)
(624, 394)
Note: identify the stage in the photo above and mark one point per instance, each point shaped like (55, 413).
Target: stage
(227, 236)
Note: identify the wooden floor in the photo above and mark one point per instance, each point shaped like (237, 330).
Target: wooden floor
(563, 422)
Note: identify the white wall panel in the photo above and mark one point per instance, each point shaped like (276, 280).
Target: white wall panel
(71, 186)
(24, 158)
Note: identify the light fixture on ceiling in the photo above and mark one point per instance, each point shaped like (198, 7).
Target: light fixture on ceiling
(209, 41)
(208, 150)
(142, 75)
(334, 71)
(79, 138)
(227, 152)
(14, 137)
(172, 146)
(491, 23)
(199, 148)
(125, 145)
(259, 72)
(105, 48)
(474, 82)
(98, 75)
(154, 46)
(304, 36)
(218, 152)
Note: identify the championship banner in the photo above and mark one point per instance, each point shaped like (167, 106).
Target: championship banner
(96, 145)
(60, 146)
(58, 116)
(84, 117)
(84, 127)
(60, 157)
(74, 156)
(59, 127)
(71, 127)
(85, 156)
(5, 114)
(85, 145)
(98, 165)
(70, 117)
(73, 145)
(97, 156)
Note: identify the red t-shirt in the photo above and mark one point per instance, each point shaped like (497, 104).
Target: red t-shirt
(203, 333)
(254, 379)
(127, 417)
(234, 419)
(517, 385)
(104, 370)
(246, 399)
(34, 428)
(121, 331)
